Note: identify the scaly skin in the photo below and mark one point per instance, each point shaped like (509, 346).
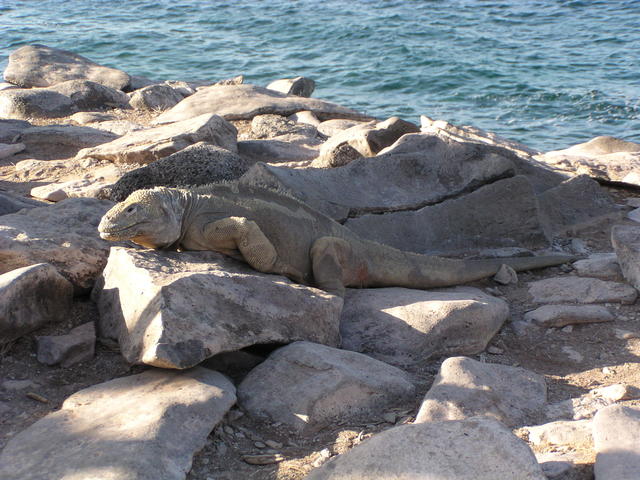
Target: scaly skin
(275, 233)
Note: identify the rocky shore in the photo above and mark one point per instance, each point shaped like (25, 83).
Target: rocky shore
(126, 363)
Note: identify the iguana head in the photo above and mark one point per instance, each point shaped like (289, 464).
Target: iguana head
(151, 218)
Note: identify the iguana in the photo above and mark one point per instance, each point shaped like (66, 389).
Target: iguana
(276, 233)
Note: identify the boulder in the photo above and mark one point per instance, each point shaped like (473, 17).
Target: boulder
(189, 306)
(465, 388)
(42, 66)
(367, 139)
(309, 386)
(155, 97)
(272, 126)
(587, 405)
(604, 266)
(573, 434)
(198, 164)
(616, 430)
(243, 102)
(305, 117)
(22, 103)
(626, 242)
(562, 315)
(581, 290)
(62, 141)
(606, 159)
(75, 347)
(332, 127)
(84, 118)
(502, 214)
(87, 95)
(474, 449)
(396, 181)
(119, 127)
(143, 427)
(31, 297)
(11, 129)
(402, 326)
(237, 80)
(146, 146)
(11, 204)
(300, 86)
(10, 149)
(64, 234)
(277, 151)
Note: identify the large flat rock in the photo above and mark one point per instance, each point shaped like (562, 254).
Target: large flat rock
(189, 306)
(626, 242)
(142, 427)
(474, 449)
(27, 103)
(465, 388)
(11, 203)
(145, 146)
(431, 171)
(64, 234)
(616, 430)
(502, 214)
(572, 289)
(42, 66)
(243, 102)
(402, 326)
(310, 386)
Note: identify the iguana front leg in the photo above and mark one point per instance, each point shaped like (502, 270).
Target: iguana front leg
(240, 234)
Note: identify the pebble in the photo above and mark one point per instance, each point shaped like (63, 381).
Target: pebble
(634, 215)
(495, 350)
(266, 459)
(568, 329)
(227, 429)
(273, 444)
(323, 456)
(259, 445)
(17, 384)
(389, 417)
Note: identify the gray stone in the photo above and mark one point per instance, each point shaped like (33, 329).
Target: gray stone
(75, 347)
(11, 204)
(198, 164)
(402, 326)
(189, 306)
(561, 315)
(21, 103)
(599, 265)
(367, 139)
(334, 126)
(616, 430)
(576, 202)
(581, 290)
(473, 449)
(626, 243)
(634, 215)
(63, 141)
(506, 275)
(31, 297)
(9, 149)
(91, 117)
(142, 427)
(155, 97)
(10, 129)
(562, 466)
(146, 146)
(300, 86)
(138, 81)
(87, 95)
(574, 434)
(309, 386)
(243, 102)
(586, 406)
(42, 66)
(276, 151)
(502, 214)
(305, 117)
(431, 172)
(270, 126)
(465, 388)
(64, 234)
(119, 127)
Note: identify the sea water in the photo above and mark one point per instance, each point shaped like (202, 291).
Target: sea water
(546, 73)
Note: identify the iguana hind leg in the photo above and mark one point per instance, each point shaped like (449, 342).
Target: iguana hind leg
(336, 265)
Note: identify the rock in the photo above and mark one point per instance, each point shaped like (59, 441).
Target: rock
(465, 388)
(367, 139)
(599, 265)
(502, 214)
(306, 117)
(183, 88)
(75, 347)
(11, 129)
(606, 159)
(91, 117)
(275, 151)
(573, 434)
(138, 81)
(402, 326)
(300, 86)
(634, 215)
(7, 150)
(334, 126)
(21, 103)
(243, 102)
(474, 449)
(42, 66)
(87, 95)
(626, 243)
(581, 290)
(237, 80)
(587, 405)
(561, 315)
(56, 192)
(616, 430)
(309, 386)
(198, 164)
(506, 275)
(64, 234)
(157, 323)
(143, 427)
(11, 204)
(562, 466)
(576, 202)
(155, 97)
(146, 146)
(430, 173)
(62, 141)
(119, 127)
(271, 126)
(31, 297)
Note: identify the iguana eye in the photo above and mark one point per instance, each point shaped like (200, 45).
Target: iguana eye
(131, 209)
